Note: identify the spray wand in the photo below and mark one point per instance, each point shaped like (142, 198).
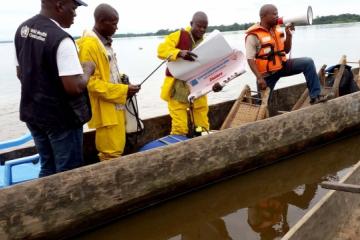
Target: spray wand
(167, 59)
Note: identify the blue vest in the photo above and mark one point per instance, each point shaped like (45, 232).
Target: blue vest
(44, 101)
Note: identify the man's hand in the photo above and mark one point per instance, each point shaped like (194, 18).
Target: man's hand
(187, 55)
(261, 83)
(217, 87)
(88, 67)
(289, 29)
(132, 90)
(125, 79)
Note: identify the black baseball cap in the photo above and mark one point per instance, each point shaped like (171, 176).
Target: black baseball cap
(80, 3)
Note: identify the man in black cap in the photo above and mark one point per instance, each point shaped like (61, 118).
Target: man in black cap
(54, 102)
(78, 2)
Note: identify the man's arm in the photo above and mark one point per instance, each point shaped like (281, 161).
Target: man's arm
(73, 75)
(259, 78)
(250, 46)
(288, 40)
(168, 48)
(111, 92)
(76, 84)
(18, 72)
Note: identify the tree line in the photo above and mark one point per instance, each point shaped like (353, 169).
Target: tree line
(342, 18)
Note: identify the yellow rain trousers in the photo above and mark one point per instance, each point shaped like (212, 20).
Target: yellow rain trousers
(178, 110)
(108, 122)
(179, 117)
(110, 140)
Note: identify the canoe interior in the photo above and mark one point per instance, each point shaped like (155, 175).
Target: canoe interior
(223, 199)
(335, 216)
(283, 99)
(80, 199)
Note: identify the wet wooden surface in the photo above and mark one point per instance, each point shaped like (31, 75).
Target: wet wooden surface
(292, 184)
(59, 205)
(333, 217)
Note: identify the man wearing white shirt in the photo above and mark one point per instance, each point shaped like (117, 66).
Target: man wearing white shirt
(54, 102)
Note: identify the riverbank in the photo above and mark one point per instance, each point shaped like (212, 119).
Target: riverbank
(319, 20)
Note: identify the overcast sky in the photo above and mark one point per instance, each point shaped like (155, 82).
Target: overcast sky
(151, 15)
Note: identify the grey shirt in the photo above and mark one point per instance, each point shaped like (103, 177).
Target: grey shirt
(252, 46)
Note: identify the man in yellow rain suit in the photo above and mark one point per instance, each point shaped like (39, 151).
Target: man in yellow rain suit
(107, 89)
(179, 45)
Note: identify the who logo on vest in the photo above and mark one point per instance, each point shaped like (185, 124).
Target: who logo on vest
(24, 32)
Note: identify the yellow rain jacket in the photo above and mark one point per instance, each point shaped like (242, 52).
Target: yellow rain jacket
(102, 92)
(178, 110)
(108, 121)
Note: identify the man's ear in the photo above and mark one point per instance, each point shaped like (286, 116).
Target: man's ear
(102, 21)
(191, 23)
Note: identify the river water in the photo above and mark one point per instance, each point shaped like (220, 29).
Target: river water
(262, 204)
(137, 57)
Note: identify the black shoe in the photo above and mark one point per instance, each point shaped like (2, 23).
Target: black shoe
(319, 99)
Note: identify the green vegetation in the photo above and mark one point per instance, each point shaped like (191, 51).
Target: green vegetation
(161, 32)
(343, 18)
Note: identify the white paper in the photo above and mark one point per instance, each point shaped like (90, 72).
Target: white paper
(222, 72)
(211, 50)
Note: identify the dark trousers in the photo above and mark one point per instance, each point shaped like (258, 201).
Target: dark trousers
(59, 150)
(295, 66)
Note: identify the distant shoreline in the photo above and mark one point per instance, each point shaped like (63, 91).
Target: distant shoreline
(331, 19)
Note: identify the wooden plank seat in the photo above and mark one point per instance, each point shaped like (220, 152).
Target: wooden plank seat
(333, 90)
(247, 108)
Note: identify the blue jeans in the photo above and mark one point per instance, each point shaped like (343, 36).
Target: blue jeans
(295, 66)
(59, 150)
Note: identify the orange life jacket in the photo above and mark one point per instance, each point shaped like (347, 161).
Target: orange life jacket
(271, 55)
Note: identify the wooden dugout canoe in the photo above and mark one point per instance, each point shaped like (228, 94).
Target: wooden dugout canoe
(334, 217)
(64, 204)
(209, 206)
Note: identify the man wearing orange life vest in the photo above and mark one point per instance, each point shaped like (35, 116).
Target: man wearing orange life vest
(179, 45)
(266, 49)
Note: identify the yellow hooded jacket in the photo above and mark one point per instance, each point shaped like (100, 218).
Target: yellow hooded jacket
(168, 48)
(102, 92)
(177, 109)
